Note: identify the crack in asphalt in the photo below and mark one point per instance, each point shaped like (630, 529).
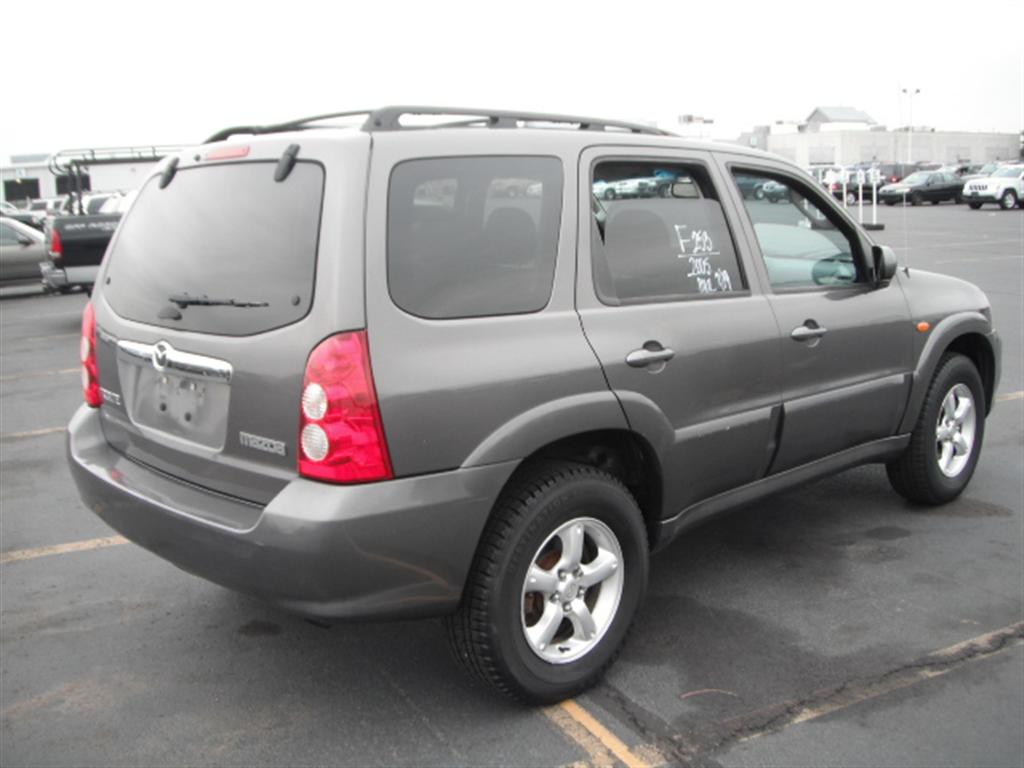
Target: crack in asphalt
(693, 746)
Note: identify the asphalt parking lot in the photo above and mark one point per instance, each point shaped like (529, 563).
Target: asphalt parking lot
(832, 625)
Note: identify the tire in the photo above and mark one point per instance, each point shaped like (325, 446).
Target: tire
(958, 199)
(1008, 201)
(936, 202)
(890, 202)
(974, 206)
(759, 193)
(916, 199)
(851, 198)
(609, 194)
(488, 633)
(918, 475)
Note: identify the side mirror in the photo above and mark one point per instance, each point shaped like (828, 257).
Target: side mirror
(885, 264)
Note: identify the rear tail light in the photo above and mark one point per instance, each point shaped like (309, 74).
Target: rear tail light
(56, 246)
(90, 369)
(341, 436)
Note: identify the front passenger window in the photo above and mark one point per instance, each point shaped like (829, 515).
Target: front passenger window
(800, 242)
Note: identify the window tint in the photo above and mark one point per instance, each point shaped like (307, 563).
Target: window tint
(659, 234)
(799, 239)
(222, 231)
(473, 236)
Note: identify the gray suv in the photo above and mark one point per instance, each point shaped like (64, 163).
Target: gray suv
(344, 370)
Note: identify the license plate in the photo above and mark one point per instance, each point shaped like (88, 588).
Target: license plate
(180, 399)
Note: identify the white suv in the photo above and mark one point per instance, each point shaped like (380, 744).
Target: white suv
(1005, 186)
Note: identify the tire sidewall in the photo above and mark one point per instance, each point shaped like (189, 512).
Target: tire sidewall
(577, 497)
(957, 370)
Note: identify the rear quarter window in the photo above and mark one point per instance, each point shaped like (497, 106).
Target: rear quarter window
(473, 236)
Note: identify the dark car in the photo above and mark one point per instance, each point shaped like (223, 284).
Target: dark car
(923, 187)
(334, 369)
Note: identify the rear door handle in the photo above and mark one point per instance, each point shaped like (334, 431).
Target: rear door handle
(651, 353)
(808, 331)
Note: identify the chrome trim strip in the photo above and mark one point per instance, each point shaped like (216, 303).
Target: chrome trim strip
(171, 359)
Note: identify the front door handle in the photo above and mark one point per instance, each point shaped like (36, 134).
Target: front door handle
(651, 354)
(809, 331)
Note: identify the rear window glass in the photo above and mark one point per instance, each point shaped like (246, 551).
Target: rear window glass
(223, 232)
(473, 236)
(658, 233)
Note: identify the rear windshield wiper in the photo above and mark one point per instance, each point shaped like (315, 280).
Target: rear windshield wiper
(184, 300)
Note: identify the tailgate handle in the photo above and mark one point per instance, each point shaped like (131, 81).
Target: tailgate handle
(164, 357)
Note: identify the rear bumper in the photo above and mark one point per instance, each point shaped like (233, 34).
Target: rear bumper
(55, 278)
(400, 548)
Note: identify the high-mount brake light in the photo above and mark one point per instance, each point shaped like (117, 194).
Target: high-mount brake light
(341, 435)
(228, 153)
(56, 246)
(87, 356)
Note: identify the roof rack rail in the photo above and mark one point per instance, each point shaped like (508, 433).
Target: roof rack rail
(72, 160)
(390, 119)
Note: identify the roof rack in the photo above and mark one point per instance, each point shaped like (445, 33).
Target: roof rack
(390, 119)
(72, 160)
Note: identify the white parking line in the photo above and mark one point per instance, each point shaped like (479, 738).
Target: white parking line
(17, 555)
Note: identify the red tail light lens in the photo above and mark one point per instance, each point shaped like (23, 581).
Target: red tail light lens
(56, 246)
(90, 369)
(341, 436)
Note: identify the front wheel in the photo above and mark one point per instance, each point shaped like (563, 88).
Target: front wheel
(558, 576)
(946, 440)
(851, 198)
(1009, 200)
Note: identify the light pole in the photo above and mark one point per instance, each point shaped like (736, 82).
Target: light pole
(910, 131)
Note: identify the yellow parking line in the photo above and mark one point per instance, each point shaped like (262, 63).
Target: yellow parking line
(17, 555)
(38, 374)
(1010, 396)
(31, 433)
(583, 728)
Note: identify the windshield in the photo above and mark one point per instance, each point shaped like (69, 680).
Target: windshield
(223, 232)
(1010, 171)
(916, 178)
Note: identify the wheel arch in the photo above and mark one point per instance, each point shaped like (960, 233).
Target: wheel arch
(967, 333)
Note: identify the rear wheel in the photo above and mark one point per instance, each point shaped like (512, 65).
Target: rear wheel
(946, 440)
(557, 578)
(851, 198)
(974, 206)
(1008, 200)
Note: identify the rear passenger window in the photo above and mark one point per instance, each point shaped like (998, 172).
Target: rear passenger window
(659, 234)
(473, 236)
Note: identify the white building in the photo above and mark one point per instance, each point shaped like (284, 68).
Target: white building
(844, 136)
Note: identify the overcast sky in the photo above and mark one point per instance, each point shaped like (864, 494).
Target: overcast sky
(95, 74)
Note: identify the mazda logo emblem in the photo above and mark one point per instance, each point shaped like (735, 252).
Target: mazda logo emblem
(160, 352)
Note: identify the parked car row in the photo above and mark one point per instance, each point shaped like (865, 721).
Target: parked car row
(60, 240)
